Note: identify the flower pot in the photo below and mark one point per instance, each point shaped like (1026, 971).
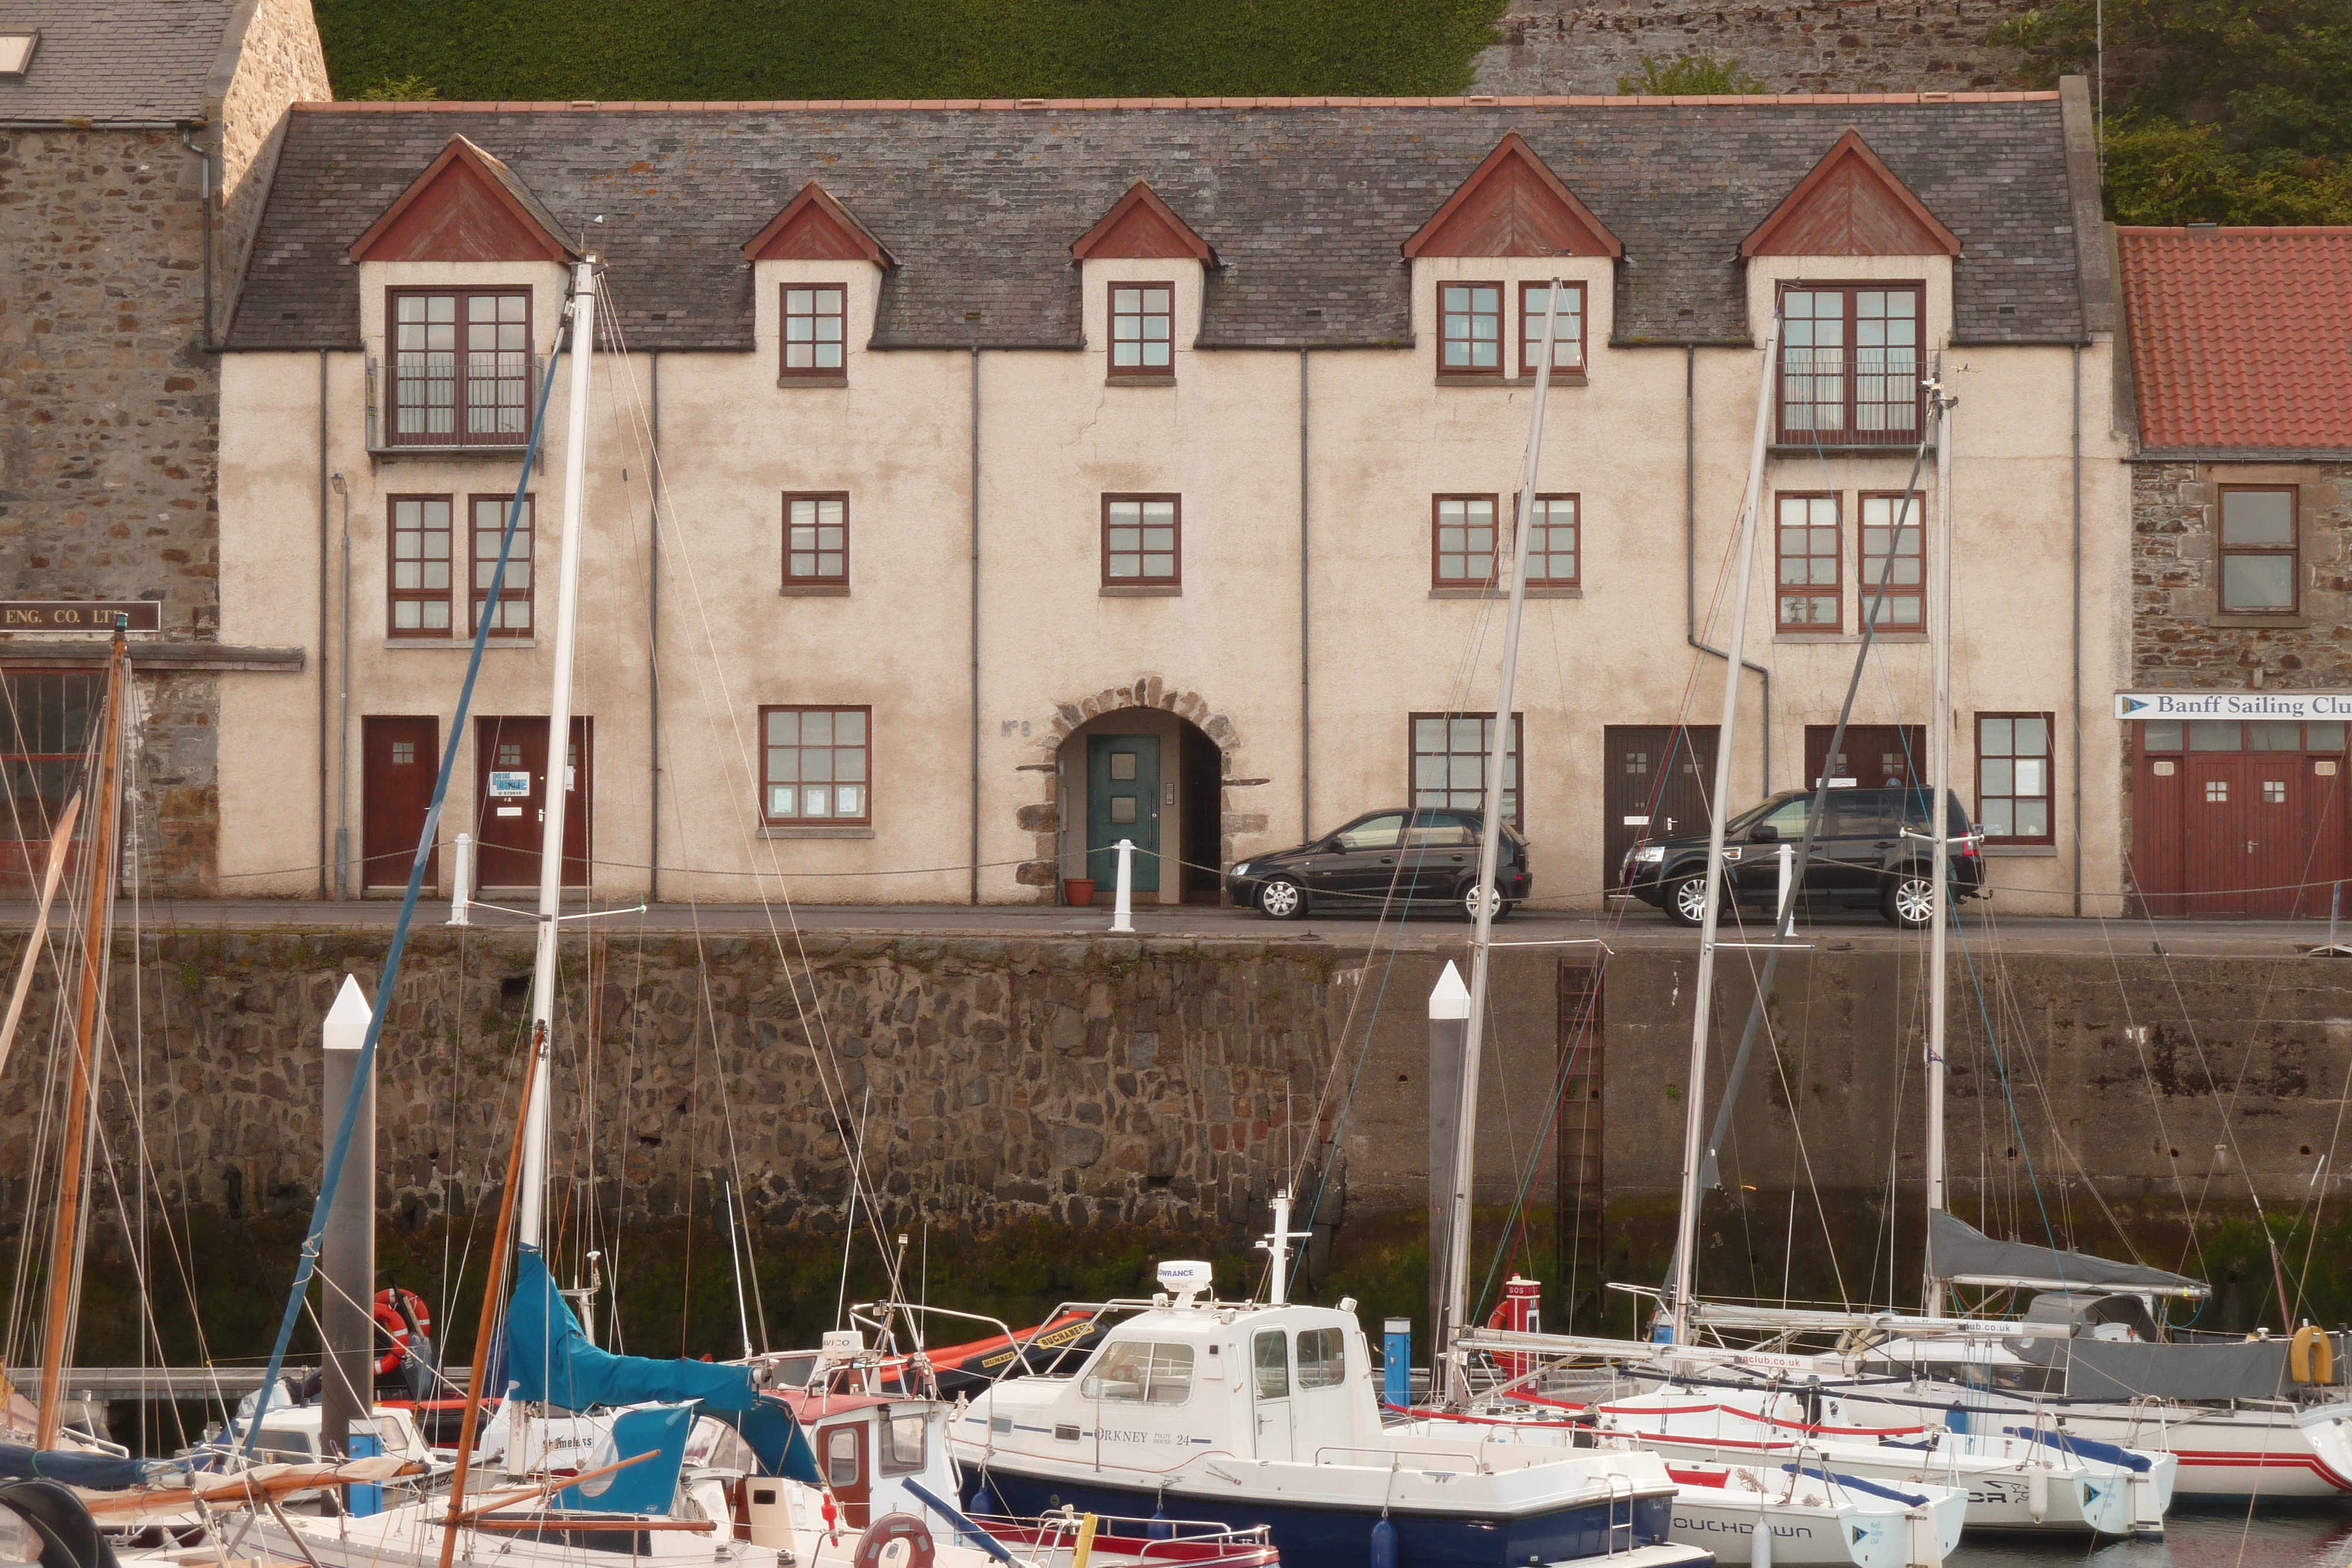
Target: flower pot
(1078, 891)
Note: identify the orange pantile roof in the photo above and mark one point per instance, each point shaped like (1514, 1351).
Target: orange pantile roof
(2240, 338)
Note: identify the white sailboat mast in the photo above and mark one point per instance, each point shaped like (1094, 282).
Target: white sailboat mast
(1456, 1262)
(1939, 769)
(530, 1226)
(1703, 997)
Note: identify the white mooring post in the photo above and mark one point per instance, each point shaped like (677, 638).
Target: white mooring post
(1788, 922)
(1122, 915)
(458, 915)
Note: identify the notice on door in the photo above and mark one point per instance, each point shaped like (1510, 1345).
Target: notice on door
(517, 782)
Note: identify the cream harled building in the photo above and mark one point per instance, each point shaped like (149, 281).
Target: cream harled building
(972, 486)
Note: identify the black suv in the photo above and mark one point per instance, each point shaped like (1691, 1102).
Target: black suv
(1872, 849)
(1382, 858)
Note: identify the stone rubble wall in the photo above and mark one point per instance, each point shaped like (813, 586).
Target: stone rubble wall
(2178, 639)
(279, 61)
(1581, 47)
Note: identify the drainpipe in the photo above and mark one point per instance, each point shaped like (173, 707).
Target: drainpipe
(653, 640)
(1306, 734)
(343, 709)
(323, 846)
(1690, 549)
(205, 157)
(2076, 649)
(975, 623)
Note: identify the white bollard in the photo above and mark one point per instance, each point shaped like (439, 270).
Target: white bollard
(1787, 874)
(1122, 915)
(458, 915)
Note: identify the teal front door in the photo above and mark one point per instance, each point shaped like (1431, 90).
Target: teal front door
(1123, 802)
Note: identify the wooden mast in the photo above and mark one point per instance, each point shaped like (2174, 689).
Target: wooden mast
(500, 1242)
(64, 1248)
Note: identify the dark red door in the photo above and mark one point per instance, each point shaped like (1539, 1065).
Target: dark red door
(400, 757)
(1875, 755)
(2158, 797)
(2214, 851)
(510, 781)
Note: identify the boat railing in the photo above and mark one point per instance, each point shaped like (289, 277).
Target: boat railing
(1157, 1537)
(1633, 1495)
(1476, 1464)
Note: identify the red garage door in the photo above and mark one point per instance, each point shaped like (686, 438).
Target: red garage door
(2238, 819)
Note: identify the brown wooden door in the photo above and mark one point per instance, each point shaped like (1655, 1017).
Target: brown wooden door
(400, 759)
(1875, 755)
(507, 825)
(1655, 787)
(2214, 854)
(842, 1451)
(2159, 790)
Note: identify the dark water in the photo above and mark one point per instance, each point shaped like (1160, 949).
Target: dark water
(2271, 1535)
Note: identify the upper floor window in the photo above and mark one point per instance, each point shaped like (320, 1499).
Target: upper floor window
(2260, 568)
(510, 617)
(420, 580)
(1811, 593)
(1470, 328)
(1140, 547)
(1553, 555)
(1894, 551)
(1850, 364)
(815, 319)
(1142, 329)
(1461, 541)
(460, 368)
(816, 541)
(815, 766)
(1568, 331)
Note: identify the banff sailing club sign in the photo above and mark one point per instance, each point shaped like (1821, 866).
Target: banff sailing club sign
(2235, 704)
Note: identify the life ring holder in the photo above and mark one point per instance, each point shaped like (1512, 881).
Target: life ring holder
(892, 1527)
(2311, 1357)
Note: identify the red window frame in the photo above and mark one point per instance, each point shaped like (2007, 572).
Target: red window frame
(1462, 548)
(419, 591)
(1571, 340)
(820, 295)
(1470, 316)
(508, 364)
(1851, 377)
(1143, 317)
(1900, 593)
(2291, 550)
(1544, 546)
(1175, 550)
(1810, 590)
(487, 517)
(805, 560)
(2048, 794)
(772, 764)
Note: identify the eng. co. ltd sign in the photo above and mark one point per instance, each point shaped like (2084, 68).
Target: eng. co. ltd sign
(2235, 704)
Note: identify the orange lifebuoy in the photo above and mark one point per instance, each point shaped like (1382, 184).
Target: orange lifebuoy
(388, 1319)
(891, 1528)
(2311, 1357)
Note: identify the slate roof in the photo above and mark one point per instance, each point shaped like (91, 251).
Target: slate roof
(1306, 203)
(113, 59)
(2239, 337)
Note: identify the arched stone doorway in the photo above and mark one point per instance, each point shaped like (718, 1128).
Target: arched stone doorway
(1143, 762)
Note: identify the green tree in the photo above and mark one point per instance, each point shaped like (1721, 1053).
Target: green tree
(398, 89)
(1688, 76)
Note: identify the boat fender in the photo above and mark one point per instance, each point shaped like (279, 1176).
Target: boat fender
(982, 1502)
(1085, 1547)
(892, 1528)
(2037, 1493)
(2311, 1358)
(1759, 1550)
(1160, 1528)
(1384, 1543)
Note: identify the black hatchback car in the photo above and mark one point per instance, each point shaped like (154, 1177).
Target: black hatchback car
(1401, 855)
(1871, 849)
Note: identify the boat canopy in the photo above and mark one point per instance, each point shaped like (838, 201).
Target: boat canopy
(1960, 1252)
(550, 1360)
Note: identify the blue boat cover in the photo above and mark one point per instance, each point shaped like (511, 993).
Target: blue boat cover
(650, 1485)
(99, 1473)
(551, 1361)
(783, 1449)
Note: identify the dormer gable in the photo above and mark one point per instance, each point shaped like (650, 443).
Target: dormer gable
(1851, 204)
(814, 226)
(1141, 226)
(467, 207)
(1513, 204)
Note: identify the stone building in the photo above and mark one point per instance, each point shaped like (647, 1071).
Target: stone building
(136, 138)
(2239, 398)
(1032, 475)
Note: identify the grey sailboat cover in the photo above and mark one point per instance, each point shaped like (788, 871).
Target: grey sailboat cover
(1959, 1252)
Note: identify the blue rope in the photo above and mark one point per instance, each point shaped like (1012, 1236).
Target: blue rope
(425, 844)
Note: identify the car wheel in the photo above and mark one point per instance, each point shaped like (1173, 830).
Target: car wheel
(1686, 900)
(1282, 899)
(1498, 906)
(1909, 900)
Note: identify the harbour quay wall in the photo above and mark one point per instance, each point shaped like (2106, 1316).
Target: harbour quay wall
(1061, 1110)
